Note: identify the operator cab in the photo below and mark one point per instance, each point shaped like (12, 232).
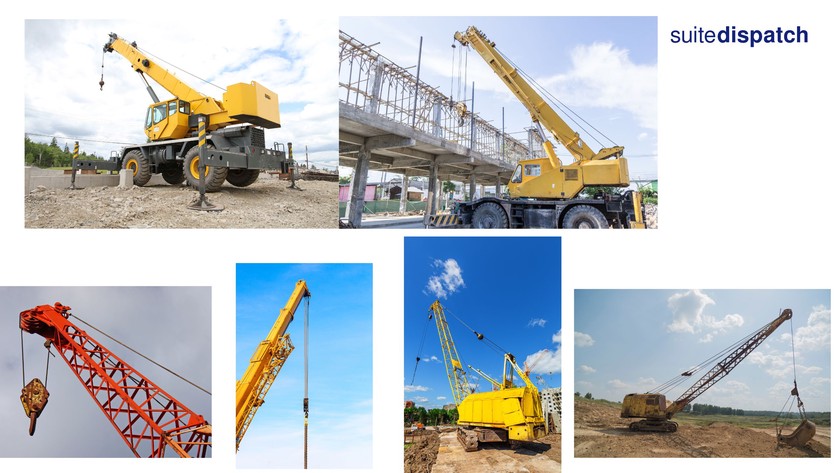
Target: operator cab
(167, 120)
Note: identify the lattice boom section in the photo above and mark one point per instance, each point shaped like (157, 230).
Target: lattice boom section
(146, 417)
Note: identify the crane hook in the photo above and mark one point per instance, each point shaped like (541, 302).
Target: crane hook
(34, 398)
(101, 81)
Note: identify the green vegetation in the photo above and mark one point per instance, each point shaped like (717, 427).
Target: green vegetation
(705, 414)
(430, 417)
(50, 155)
(649, 195)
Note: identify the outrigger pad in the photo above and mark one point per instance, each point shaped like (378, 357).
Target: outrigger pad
(802, 435)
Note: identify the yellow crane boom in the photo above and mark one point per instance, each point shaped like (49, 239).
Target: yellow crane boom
(241, 103)
(266, 363)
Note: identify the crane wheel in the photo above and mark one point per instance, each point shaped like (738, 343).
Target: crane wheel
(138, 164)
(489, 215)
(585, 216)
(242, 177)
(214, 176)
(173, 173)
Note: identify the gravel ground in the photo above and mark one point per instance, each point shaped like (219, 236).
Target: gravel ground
(268, 203)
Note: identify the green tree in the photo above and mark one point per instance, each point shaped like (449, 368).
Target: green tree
(599, 190)
(344, 180)
(588, 396)
(649, 196)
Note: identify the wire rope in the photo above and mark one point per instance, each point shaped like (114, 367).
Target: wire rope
(145, 357)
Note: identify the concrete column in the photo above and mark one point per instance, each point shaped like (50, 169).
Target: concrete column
(498, 185)
(404, 194)
(472, 186)
(431, 200)
(438, 129)
(373, 102)
(357, 187)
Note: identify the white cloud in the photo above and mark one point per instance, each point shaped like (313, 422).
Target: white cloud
(448, 281)
(603, 75)
(583, 340)
(420, 399)
(820, 381)
(412, 389)
(618, 384)
(441, 398)
(545, 361)
(431, 358)
(537, 323)
(587, 369)
(689, 316)
(816, 335)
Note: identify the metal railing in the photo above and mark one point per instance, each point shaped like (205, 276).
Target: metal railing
(371, 83)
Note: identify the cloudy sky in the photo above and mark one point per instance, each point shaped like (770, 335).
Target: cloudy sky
(629, 341)
(340, 366)
(604, 68)
(170, 325)
(63, 64)
(520, 315)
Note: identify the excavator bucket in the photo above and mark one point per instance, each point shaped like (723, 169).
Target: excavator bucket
(800, 436)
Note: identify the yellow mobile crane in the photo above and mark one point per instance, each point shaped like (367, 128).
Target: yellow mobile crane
(506, 413)
(237, 153)
(656, 412)
(265, 364)
(544, 193)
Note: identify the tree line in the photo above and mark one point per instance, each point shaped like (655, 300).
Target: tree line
(50, 155)
(429, 417)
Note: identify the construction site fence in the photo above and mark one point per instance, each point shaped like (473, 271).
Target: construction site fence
(373, 84)
(388, 206)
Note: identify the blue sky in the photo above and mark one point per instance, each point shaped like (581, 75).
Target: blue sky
(633, 340)
(63, 64)
(604, 68)
(340, 365)
(520, 313)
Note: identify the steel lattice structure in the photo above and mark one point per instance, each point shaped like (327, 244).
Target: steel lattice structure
(370, 82)
(147, 418)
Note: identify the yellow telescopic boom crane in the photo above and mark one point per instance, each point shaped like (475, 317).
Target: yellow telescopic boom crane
(544, 193)
(236, 154)
(266, 363)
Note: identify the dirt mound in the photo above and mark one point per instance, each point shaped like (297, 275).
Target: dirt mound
(421, 454)
(600, 432)
(267, 203)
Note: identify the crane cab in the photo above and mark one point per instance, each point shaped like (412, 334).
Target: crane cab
(168, 120)
(648, 406)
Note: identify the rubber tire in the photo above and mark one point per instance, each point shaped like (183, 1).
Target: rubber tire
(242, 177)
(215, 175)
(489, 215)
(139, 166)
(585, 216)
(173, 173)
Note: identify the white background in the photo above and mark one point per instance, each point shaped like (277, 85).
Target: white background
(747, 172)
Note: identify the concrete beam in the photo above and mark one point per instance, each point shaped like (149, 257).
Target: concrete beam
(388, 141)
(350, 138)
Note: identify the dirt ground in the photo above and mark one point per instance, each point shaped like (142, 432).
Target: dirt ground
(268, 203)
(448, 456)
(600, 432)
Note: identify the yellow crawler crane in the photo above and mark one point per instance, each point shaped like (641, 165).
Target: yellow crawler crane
(656, 412)
(545, 193)
(266, 363)
(504, 414)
